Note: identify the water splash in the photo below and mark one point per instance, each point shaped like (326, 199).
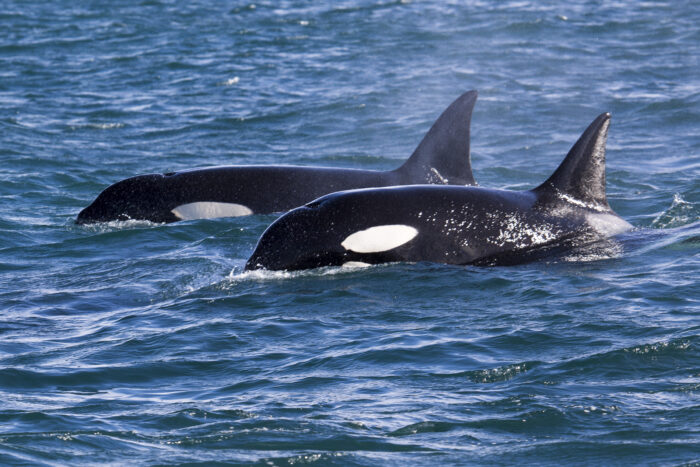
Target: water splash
(680, 213)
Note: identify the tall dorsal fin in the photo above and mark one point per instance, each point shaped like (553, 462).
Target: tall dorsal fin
(581, 177)
(443, 154)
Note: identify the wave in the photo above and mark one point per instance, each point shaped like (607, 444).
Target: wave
(678, 214)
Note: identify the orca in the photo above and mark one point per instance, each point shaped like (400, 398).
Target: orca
(442, 157)
(450, 224)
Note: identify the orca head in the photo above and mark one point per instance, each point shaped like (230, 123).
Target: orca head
(335, 230)
(135, 198)
(294, 242)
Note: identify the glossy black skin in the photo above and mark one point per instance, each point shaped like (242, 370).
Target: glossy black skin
(442, 157)
(263, 189)
(456, 225)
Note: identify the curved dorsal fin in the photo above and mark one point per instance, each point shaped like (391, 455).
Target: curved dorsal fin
(581, 176)
(443, 154)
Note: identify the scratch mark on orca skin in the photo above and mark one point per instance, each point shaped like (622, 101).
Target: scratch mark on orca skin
(439, 178)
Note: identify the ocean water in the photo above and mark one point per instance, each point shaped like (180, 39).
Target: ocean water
(138, 343)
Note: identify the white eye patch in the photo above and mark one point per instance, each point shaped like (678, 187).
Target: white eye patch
(379, 238)
(210, 209)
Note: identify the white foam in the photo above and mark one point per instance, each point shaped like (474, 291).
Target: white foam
(236, 276)
(597, 251)
(110, 226)
(105, 126)
(379, 238)
(356, 264)
(209, 210)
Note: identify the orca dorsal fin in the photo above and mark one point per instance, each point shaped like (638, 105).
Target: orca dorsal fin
(443, 154)
(581, 177)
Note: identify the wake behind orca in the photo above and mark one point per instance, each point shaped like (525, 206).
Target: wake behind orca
(450, 224)
(442, 157)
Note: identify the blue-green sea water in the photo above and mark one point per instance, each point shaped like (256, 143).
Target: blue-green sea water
(146, 344)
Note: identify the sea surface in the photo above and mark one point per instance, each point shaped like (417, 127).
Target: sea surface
(147, 344)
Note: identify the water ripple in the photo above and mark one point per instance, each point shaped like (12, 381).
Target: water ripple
(144, 343)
